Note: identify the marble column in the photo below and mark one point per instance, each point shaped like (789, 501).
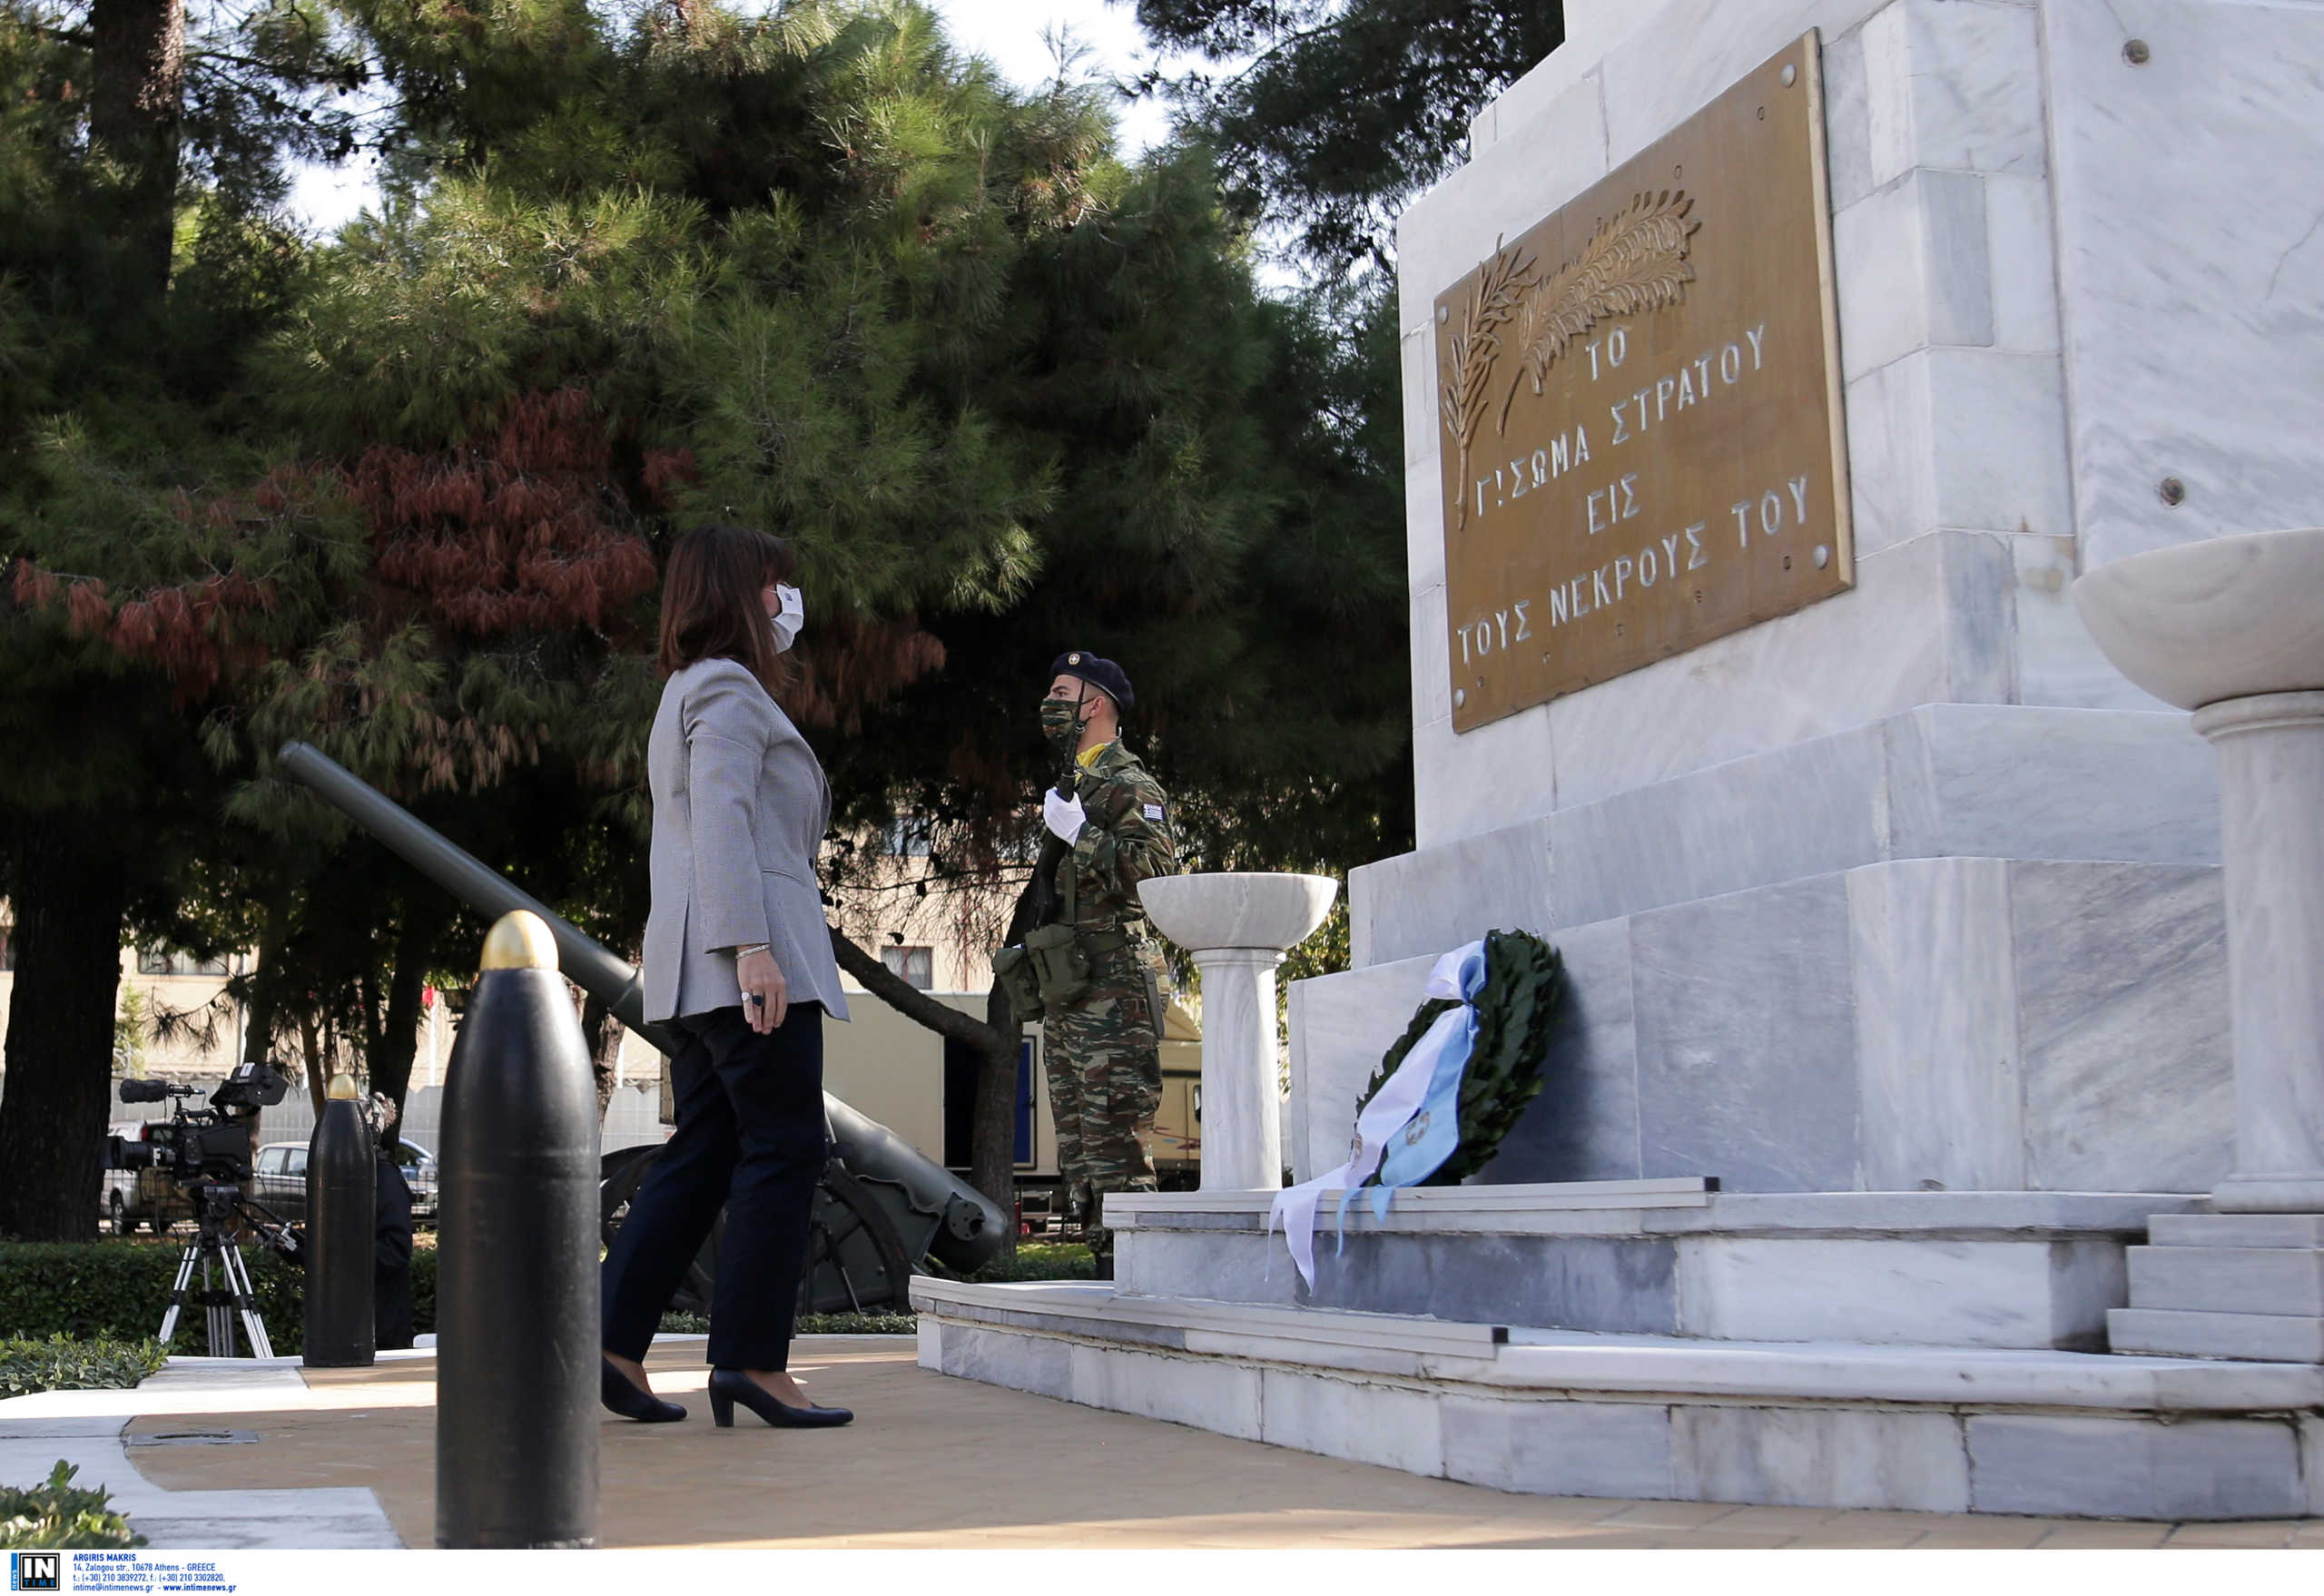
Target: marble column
(1242, 1110)
(2232, 628)
(1237, 926)
(2271, 815)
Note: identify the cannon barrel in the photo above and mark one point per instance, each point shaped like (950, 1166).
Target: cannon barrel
(933, 1212)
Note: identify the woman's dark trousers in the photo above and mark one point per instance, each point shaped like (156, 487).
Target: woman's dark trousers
(750, 1136)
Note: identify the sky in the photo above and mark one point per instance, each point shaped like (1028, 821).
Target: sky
(1011, 33)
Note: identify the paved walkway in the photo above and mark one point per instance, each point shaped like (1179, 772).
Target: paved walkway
(929, 1462)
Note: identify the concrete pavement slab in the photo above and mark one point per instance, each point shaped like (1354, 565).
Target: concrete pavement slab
(347, 1457)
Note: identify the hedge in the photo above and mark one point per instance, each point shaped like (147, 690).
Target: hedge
(118, 1289)
(62, 1364)
(875, 1323)
(1040, 1260)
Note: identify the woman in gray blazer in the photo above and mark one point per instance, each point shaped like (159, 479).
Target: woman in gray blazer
(738, 964)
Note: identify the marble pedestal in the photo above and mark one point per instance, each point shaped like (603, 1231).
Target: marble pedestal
(2271, 781)
(1237, 925)
(2233, 629)
(2248, 1281)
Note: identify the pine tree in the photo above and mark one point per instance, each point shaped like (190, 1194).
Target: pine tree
(811, 270)
(137, 167)
(1336, 112)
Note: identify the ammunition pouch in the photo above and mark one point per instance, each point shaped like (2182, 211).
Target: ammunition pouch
(1060, 965)
(1050, 970)
(1012, 969)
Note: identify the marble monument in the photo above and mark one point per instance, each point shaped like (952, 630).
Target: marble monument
(1891, 1153)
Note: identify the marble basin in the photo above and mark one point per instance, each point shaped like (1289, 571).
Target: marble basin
(1238, 909)
(2228, 617)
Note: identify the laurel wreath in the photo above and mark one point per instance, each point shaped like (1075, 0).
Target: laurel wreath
(1523, 988)
(1471, 353)
(1636, 262)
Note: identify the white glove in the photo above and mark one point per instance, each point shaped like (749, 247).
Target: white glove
(1064, 815)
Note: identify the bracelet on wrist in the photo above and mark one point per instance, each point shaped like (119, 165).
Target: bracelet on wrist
(752, 948)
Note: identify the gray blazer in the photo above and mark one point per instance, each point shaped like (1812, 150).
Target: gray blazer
(740, 808)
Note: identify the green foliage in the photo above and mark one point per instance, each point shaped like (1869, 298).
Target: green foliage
(154, 538)
(1516, 1007)
(1324, 952)
(58, 1513)
(872, 1323)
(1347, 108)
(403, 495)
(129, 1030)
(857, 1324)
(62, 1364)
(117, 1290)
(425, 327)
(1040, 1260)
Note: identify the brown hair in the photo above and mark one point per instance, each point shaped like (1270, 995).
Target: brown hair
(710, 601)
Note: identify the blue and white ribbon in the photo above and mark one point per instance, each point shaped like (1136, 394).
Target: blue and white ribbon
(1413, 1121)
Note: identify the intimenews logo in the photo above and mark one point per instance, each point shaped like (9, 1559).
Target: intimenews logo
(36, 1570)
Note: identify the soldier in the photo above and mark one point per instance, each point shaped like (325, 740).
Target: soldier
(391, 1311)
(1102, 1049)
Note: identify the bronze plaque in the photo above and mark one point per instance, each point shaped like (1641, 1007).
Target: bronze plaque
(1640, 402)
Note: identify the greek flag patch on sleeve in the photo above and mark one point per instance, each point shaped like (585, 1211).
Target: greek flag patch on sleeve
(1154, 812)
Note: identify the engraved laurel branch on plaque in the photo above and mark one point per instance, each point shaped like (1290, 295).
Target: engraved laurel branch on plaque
(1473, 351)
(1636, 263)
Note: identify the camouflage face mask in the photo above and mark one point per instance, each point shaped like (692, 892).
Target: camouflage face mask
(1062, 725)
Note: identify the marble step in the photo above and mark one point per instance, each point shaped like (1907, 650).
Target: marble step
(2285, 1338)
(1068, 1307)
(2238, 1231)
(2228, 1280)
(1832, 1423)
(1478, 1209)
(1512, 1358)
(1671, 1257)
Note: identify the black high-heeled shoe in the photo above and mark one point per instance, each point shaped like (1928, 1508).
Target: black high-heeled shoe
(728, 1386)
(620, 1394)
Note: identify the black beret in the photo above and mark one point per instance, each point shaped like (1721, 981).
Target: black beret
(1101, 674)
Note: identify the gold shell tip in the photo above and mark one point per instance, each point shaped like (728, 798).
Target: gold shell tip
(519, 941)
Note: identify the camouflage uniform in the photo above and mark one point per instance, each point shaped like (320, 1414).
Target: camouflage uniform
(1102, 1053)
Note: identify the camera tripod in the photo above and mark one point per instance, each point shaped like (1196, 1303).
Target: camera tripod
(213, 1246)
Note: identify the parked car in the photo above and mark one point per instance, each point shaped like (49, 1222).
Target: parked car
(279, 1179)
(130, 1198)
(419, 1165)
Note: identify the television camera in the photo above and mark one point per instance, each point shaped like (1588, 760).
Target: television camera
(206, 1153)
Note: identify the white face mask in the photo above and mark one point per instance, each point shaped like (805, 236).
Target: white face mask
(790, 616)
